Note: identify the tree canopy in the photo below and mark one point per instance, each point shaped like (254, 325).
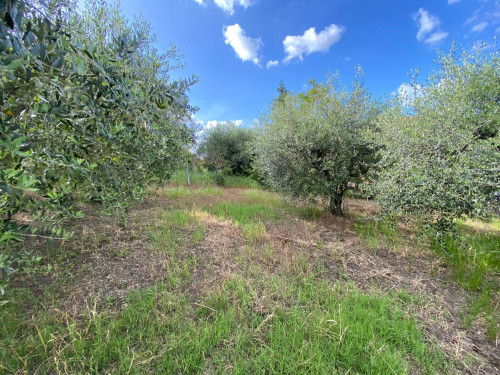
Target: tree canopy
(227, 146)
(311, 144)
(441, 150)
(88, 110)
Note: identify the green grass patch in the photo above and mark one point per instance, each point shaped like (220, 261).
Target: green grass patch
(475, 262)
(379, 232)
(243, 182)
(176, 192)
(207, 178)
(321, 329)
(174, 230)
(473, 256)
(242, 214)
(254, 231)
(199, 178)
(267, 198)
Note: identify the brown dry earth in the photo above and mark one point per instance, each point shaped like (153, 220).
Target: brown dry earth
(118, 261)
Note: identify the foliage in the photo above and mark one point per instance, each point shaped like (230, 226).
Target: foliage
(227, 146)
(311, 143)
(441, 151)
(87, 111)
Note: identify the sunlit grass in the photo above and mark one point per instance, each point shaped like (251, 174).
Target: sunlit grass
(242, 214)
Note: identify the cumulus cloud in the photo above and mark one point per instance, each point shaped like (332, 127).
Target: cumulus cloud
(310, 41)
(200, 2)
(479, 27)
(228, 5)
(428, 27)
(272, 63)
(453, 1)
(245, 47)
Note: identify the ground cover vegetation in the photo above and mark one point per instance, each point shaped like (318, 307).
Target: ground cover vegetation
(341, 235)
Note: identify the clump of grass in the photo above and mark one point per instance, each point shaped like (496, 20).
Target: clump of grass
(242, 214)
(243, 182)
(254, 231)
(312, 328)
(170, 233)
(267, 198)
(199, 178)
(308, 211)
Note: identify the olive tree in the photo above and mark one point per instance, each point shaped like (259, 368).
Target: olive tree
(87, 109)
(441, 153)
(311, 145)
(227, 146)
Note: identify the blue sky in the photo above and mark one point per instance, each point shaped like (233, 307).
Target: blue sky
(242, 49)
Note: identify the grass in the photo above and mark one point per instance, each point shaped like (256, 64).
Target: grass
(321, 329)
(475, 261)
(176, 192)
(207, 178)
(379, 232)
(170, 233)
(262, 307)
(472, 254)
(242, 214)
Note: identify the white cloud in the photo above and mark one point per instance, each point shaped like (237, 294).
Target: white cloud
(428, 27)
(479, 27)
(436, 37)
(245, 47)
(347, 58)
(453, 1)
(200, 2)
(272, 63)
(471, 19)
(310, 41)
(228, 5)
(212, 124)
(426, 23)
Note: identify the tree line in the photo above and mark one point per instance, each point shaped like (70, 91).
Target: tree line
(436, 152)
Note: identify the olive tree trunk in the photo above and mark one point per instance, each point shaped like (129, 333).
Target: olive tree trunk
(336, 199)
